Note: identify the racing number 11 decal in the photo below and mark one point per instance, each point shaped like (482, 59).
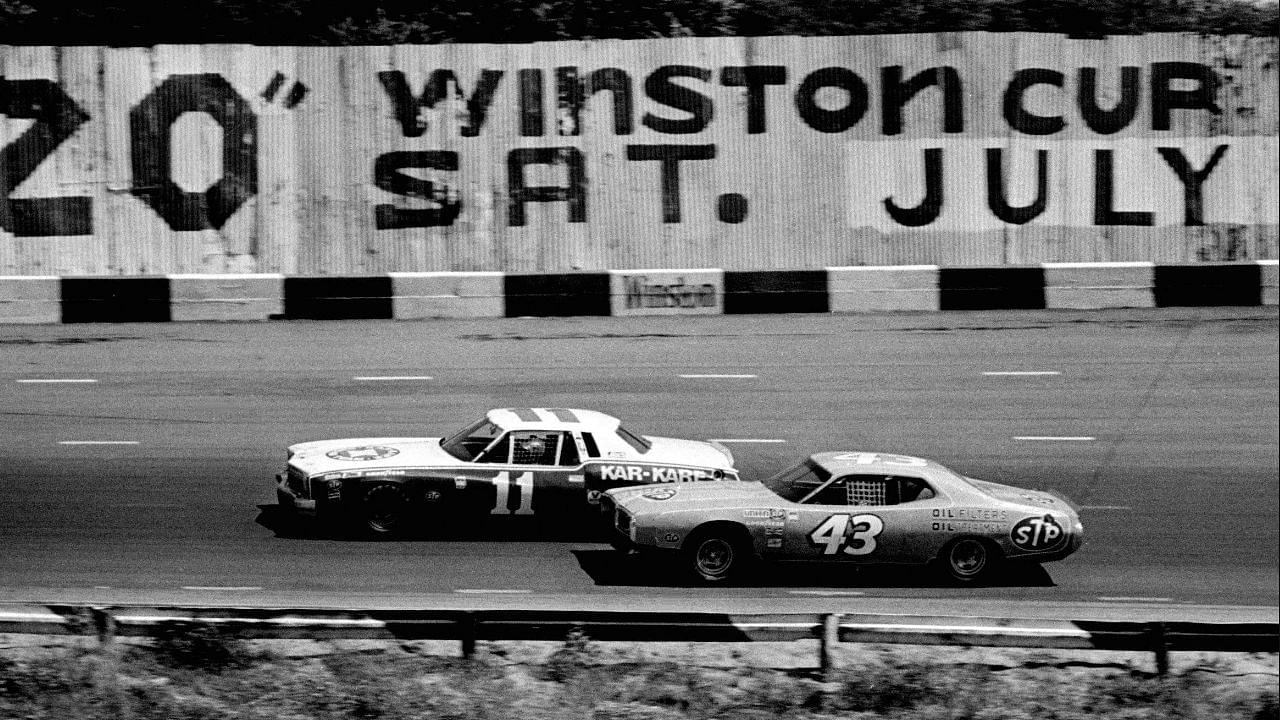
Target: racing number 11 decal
(850, 534)
(524, 490)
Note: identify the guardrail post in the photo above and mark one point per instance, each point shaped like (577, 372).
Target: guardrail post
(826, 648)
(1155, 636)
(104, 624)
(467, 631)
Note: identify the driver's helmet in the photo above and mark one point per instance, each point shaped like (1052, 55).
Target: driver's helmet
(533, 447)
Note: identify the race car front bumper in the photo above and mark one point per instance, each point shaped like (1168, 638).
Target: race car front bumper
(290, 499)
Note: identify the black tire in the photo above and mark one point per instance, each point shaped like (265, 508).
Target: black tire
(969, 560)
(718, 554)
(384, 510)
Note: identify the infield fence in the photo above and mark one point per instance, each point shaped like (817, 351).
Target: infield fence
(470, 626)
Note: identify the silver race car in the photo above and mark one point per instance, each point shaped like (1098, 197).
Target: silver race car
(847, 508)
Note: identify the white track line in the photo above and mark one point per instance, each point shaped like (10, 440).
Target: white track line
(1105, 507)
(97, 442)
(1135, 599)
(745, 440)
(372, 378)
(1020, 373)
(491, 591)
(50, 381)
(730, 377)
(1056, 438)
(221, 588)
(828, 593)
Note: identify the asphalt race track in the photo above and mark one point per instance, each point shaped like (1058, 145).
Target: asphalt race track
(154, 482)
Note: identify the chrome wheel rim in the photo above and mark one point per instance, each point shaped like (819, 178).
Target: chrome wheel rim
(714, 557)
(968, 558)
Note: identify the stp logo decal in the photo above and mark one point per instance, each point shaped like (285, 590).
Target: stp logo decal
(665, 493)
(367, 452)
(1038, 533)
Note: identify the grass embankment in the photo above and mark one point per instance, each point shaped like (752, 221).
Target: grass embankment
(190, 675)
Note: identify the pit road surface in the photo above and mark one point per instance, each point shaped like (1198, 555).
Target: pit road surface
(139, 458)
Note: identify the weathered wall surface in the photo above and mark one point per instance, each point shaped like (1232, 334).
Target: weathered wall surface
(733, 153)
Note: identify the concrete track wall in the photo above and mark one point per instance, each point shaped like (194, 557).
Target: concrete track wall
(409, 296)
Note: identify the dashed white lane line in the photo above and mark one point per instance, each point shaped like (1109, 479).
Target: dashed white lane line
(98, 442)
(746, 440)
(492, 591)
(828, 593)
(723, 377)
(52, 381)
(1020, 373)
(221, 588)
(1104, 598)
(393, 378)
(1105, 507)
(1056, 438)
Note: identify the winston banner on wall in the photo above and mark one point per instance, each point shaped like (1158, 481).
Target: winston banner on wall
(739, 153)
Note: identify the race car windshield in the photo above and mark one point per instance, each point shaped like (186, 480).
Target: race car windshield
(795, 483)
(470, 440)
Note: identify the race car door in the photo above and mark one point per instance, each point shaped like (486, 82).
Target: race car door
(860, 518)
(533, 469)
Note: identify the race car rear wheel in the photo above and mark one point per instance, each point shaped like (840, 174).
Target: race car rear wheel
(968, 560)
(717, 554)
(384, 509)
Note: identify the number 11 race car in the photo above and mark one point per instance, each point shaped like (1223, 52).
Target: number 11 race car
(847, 508)
(511, 462)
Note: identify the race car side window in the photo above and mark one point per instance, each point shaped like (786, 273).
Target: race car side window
(911, 489)
(589, 441)
(534, 447)
(568, 450)
(873, 490)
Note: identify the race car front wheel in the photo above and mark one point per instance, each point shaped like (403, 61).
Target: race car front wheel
(717, 555)
(968, 560)
(385, 508)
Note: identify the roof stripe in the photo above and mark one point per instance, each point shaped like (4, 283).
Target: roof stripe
(526, 414)
(563, 415)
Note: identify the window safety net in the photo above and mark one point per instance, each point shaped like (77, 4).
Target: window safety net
(536, 450)
(865, 492)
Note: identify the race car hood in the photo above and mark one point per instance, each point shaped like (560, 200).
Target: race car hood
(688, 452)
(664, 498)
(1022, 496)
(368, 453)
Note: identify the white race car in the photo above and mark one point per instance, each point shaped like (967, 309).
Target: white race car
(511, 462)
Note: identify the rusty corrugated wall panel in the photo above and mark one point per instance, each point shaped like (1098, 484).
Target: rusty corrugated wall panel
(740, 153)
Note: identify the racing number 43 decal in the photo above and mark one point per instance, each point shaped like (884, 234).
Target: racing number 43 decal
(524, 493)
(848, 534)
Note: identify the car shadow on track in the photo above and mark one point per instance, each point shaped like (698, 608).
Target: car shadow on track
(285, 524)
(610, 567)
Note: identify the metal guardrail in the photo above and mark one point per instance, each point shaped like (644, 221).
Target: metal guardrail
(470, 626)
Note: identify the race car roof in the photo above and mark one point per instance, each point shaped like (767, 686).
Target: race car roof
(552, 419)
(849, 461)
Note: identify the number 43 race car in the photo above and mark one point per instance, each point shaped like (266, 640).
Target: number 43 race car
(511, 462)
(847, 508)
